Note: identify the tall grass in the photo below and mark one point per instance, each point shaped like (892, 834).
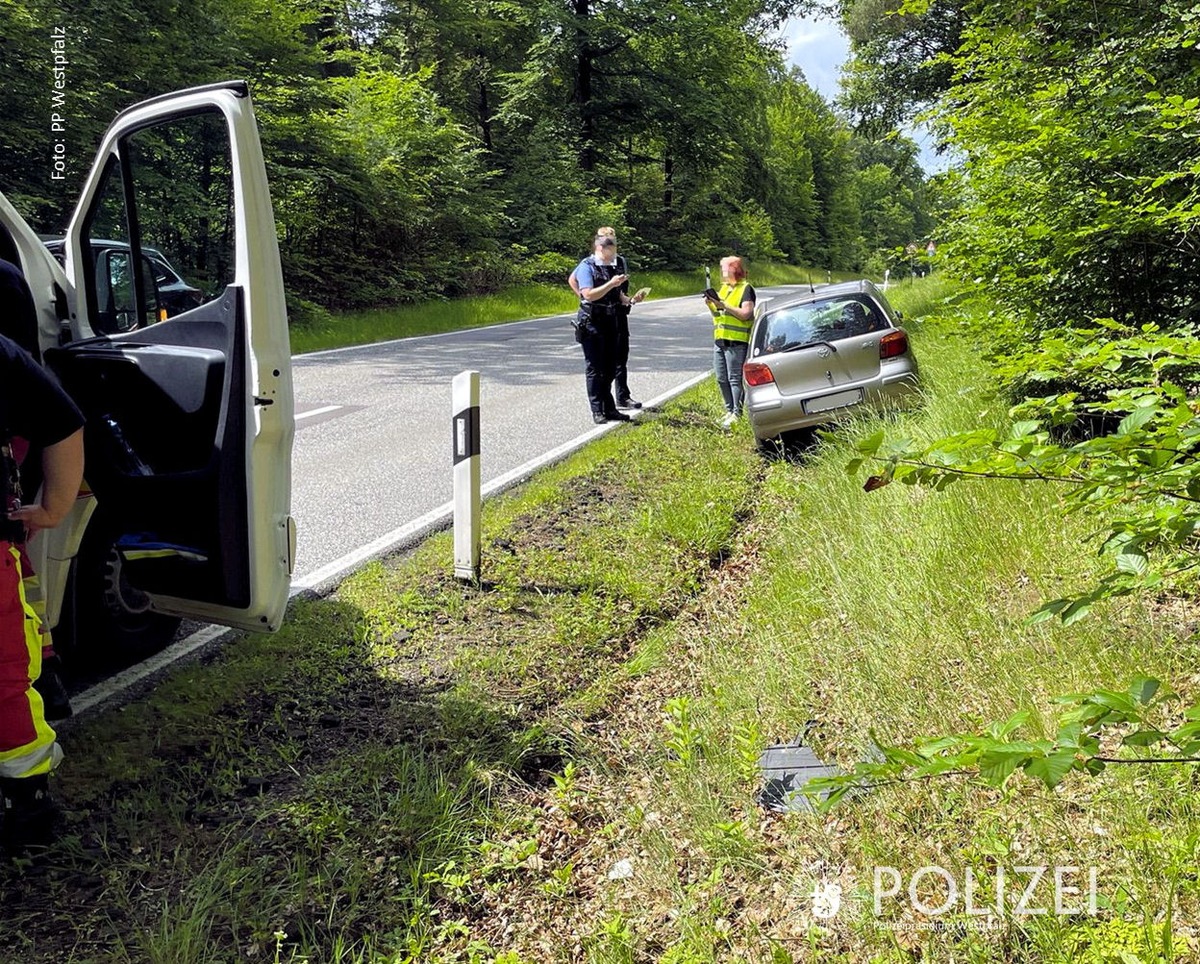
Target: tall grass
(900, 614)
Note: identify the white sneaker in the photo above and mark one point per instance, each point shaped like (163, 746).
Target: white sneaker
(729, 419)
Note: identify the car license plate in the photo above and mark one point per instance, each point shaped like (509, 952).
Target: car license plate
(837, 400)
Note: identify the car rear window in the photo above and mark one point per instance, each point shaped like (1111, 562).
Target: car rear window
(816, 321)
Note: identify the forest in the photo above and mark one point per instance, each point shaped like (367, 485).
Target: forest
(445, 147)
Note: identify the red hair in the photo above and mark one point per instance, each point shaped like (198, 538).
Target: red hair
(737, 268)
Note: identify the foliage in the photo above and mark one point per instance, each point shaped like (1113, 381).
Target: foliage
(426, 149)
(901, 59)
(1079, 199)
(1080, 166)
(1142, 478)
(1144, 719)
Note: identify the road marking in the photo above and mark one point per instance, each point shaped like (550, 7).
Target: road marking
(135, 674)
(316, 411)
(332, 572)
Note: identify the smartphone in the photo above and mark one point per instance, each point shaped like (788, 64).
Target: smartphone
(711, 294)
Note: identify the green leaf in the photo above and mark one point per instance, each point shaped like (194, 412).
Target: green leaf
(998, 763)
(869, 446)
(1052, 768)
(1002, 730)
(1133, 562)
(1144, 738)
(1076, 611)
(1069, 735)
(1121, 702)
(1143, 688)
(1136, 419)
(1185, 733)
(1047, 611)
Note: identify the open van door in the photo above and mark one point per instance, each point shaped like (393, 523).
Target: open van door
(189, 416)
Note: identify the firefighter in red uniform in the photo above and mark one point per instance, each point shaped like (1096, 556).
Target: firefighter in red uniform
(32, 407)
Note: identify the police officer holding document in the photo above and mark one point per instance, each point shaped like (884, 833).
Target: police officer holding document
(603, 305)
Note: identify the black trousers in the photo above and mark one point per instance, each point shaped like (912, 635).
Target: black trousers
(600, 361)
(621, 358)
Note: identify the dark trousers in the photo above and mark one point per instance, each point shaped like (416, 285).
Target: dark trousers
(599, 355)
(621, 359)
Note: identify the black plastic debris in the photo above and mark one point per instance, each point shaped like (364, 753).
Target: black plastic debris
(786, 768)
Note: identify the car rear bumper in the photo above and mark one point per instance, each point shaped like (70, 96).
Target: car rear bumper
(771, 414)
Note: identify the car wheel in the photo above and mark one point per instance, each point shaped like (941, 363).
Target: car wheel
(113, 624)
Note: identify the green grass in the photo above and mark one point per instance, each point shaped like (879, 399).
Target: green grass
(416, 770)
(529, 301)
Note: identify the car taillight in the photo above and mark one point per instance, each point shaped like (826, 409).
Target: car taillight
(756, 374)
(893, 343)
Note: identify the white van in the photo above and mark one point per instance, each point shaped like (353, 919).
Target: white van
(189, 416)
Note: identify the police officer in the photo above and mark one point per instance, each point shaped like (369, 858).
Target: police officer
(601, 285)
(621, 351)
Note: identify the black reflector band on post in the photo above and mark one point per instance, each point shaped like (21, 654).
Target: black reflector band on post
(465, 430)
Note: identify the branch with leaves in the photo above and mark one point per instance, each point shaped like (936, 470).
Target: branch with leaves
(1089, 738)
(1143, 478)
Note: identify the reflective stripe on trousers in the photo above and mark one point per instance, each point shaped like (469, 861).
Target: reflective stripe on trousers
(27, 743)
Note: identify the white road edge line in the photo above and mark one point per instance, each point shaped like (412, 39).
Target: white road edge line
(316, 411)
(334, 571)
(127, 678)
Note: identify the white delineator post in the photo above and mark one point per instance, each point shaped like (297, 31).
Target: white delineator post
(467, 502)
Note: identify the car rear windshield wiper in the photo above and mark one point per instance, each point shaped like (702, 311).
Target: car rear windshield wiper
(807, 344)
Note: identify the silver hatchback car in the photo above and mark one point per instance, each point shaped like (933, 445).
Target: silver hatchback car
(816, 356)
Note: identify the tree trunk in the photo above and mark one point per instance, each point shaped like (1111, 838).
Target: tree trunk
(668, 187)
(583, 88)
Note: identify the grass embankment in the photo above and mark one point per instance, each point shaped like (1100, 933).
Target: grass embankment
(528, 301)
(561, 765)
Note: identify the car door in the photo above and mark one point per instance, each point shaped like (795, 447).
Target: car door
(189, 419)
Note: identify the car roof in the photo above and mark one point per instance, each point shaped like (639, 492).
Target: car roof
(861, 286)
(57, 241)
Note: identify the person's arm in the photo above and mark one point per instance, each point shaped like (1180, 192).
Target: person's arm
(573, 282)
(588, 292)
(743, 313)
(62, 472)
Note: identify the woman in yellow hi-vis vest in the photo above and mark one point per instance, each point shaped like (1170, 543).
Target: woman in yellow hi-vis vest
(733, 315)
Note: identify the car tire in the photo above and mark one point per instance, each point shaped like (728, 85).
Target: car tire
(109, 623)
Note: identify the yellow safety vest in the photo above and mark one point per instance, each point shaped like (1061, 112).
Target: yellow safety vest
(726, 326)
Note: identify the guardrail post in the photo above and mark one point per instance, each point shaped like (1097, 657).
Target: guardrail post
(467, 502)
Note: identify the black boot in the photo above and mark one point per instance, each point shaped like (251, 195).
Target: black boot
(53, 691)
(30, 817)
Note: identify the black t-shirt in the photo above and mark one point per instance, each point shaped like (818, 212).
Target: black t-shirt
(33, 407)
(18, 314)
(749, 295)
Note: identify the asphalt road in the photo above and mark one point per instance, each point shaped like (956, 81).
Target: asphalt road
(372, 448)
